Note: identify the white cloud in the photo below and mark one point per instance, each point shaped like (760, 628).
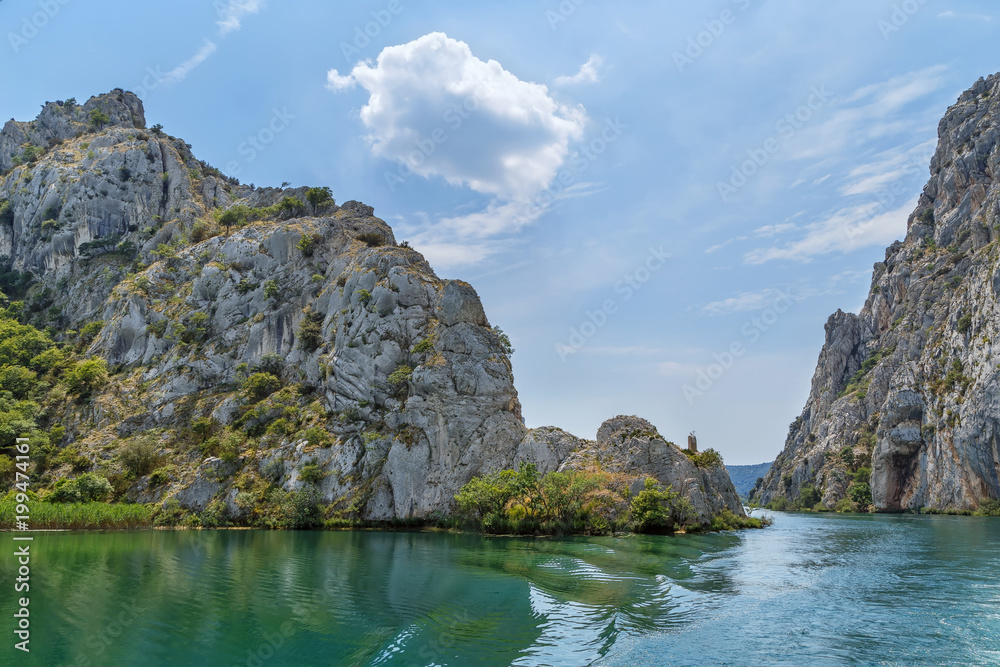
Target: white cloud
(442, 112)
(231, 14)
(438, 111)
(587, 74)
(182, 70)
(336, 83)
(848, 229)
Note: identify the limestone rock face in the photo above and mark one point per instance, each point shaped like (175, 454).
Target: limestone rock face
(909, 387)
(387, 381)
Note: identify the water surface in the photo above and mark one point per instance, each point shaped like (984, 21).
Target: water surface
(812, 589)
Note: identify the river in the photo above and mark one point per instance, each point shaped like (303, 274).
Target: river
(811, 589)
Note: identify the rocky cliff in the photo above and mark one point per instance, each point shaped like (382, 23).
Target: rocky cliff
(908, 389)
(258, 338)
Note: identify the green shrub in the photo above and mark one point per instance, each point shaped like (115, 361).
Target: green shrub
(98, 118)
(307, 244)
(88, 487)
(860, 494)
(728, 520)
(260, 385)
(311, 473)
(778, 504)
(989, 508)
(318, 197)
(401, 375)
(160, 476)
(271, 289)
(964, 323)
(425, 345)
(504, 341)
(659, 510)
(809, 496)
(139, 457)
(90, 330)
(86, 376)
(845, 505)
(311, 331)
(372, 239)
(707, 460)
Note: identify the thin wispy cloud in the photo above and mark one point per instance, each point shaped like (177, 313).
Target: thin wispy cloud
(967, 16)
(180, 72)
(870, 112)
(231, 15)
(848, 229)
(751, 301)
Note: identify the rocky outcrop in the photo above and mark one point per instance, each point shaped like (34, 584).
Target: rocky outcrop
(908, 388)
(308, 344)
(632, 446)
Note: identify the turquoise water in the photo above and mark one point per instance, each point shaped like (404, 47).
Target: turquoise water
(812, 589)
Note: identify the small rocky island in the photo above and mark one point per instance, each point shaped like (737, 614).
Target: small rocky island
(228, 354)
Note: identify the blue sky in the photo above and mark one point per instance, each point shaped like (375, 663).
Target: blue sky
(660, 202)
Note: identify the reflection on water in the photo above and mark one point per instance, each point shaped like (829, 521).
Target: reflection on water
(809, 590)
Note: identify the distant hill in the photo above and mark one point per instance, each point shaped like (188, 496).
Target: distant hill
(744, 477)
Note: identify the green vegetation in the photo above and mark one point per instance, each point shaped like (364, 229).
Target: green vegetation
(584, 502)
(139, 457)
(401, 375)
(858, 384)
(307, 244)
(86, 376)
(260, 385)
(372, 239)
(98, 119)
(504, 340)
(707, 460)
(82, 515)
(311, 331)
(964, 323)
(319, 197)
(88, 487)
(311, 473)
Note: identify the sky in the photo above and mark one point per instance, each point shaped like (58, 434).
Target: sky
(661, 203)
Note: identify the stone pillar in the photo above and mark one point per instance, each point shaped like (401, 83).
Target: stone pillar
(693, 443)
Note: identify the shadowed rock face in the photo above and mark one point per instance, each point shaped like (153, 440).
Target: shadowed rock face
(399, 370)
(910, 384)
